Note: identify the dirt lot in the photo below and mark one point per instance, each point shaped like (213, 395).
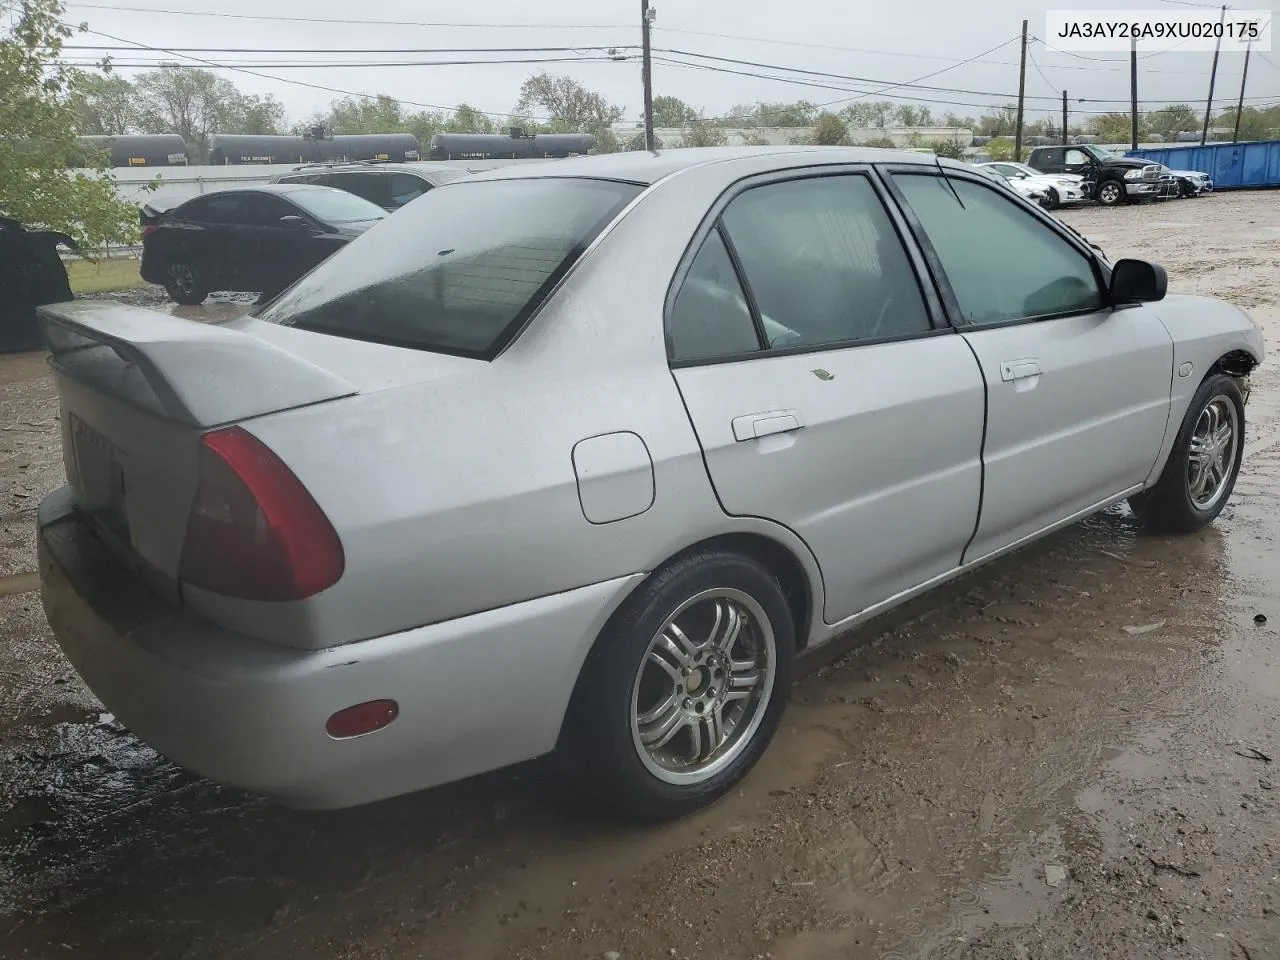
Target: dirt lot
(1074, 754)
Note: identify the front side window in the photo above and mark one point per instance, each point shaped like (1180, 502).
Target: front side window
(404, 187)
(457, 270)
(1002, 263)
(824, 263)
(1077, 157)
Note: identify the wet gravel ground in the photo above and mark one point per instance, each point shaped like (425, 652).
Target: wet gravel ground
(1072, 754)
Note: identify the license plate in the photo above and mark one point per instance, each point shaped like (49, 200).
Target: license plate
(101, 479)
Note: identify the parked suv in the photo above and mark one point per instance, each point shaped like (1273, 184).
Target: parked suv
(1117, 179)
(389, 185)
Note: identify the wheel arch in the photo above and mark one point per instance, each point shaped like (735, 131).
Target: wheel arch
(802, 594)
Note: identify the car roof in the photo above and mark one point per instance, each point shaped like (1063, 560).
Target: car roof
(428, 171)
(278, 189)
(648, 168)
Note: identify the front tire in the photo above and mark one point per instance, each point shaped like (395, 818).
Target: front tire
(685, 686)
(1203, 465)
(1111, 193)
(1055, 201)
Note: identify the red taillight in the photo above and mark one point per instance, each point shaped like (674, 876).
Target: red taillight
(361, 719)
(148, 230)
(255, 532)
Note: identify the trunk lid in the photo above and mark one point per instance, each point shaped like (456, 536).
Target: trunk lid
(139, 388)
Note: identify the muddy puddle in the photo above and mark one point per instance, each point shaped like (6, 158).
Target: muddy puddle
(1072, 754)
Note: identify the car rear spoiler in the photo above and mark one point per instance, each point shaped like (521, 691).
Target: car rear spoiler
(198, 374)
(152, 211)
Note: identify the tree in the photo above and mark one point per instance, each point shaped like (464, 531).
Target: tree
(829, 130)
(1255, 124)
(704, 135)
(195, 104)
(467, 119)
(912, 116)
(998, 123)
(1113, 127)
(105, 104)
(570, 105)
(672, 112)
(1170, 121)
(1000, 148)
(38, 125)
(947, 148)
(353, 115)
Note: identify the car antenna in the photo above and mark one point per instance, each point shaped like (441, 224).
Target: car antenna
(943, 170)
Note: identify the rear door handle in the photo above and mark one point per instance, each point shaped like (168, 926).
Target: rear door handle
(751, 426)
(1019, 369)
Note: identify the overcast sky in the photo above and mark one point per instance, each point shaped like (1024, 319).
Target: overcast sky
(891, 42)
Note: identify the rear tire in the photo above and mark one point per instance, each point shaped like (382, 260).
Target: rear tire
(1111, 193)
(185, 284)
(684, 688)
(1202, 468)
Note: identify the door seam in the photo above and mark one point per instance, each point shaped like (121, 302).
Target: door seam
(982, 450)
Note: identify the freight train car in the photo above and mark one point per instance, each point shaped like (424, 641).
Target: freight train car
(140, 150)
(513, 146)
(239, 149)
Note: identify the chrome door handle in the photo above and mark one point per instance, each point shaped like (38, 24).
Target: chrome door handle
(1019, 369)
(751, 426)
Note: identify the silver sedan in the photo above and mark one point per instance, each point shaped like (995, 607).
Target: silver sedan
(579, 457)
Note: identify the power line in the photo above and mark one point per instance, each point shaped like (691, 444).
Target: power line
(332, 65)
(303, 83)
(350, 22)
(834, 76)
(580, 48)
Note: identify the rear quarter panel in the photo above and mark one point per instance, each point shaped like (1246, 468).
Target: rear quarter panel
(459, 495)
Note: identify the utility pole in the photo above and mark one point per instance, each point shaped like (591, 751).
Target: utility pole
(646, 17)
(1022, 87)
(1133, 94)
(1235, 137)
(1064, 118)
(1213, 75)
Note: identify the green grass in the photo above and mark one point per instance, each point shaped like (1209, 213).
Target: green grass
(114, 274)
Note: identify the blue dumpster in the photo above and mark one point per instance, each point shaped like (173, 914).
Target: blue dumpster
(1231, 165)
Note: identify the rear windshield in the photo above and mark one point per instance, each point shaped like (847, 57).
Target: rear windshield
(336, 206)
(459, 269)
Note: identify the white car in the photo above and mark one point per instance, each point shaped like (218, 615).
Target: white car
(1032, 191)
(1059, 188)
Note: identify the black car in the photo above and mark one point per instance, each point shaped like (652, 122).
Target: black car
(1116, 179)
(389, 185)
(257, 239)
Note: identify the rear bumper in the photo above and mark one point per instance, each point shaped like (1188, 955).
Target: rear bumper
(475, 693)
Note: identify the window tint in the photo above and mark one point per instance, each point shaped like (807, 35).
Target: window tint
(824, 262)
(457, 270)
(217, 208)
(368, 186)
(710, 317)
(335, 206)
(1003, 263)
(404, 187)
(262, 210)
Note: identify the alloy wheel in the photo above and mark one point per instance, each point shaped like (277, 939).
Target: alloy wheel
(703, 686)
(1212, 454)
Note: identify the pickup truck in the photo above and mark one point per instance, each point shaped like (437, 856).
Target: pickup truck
(1116, 179)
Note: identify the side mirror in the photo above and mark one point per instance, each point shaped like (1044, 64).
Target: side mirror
(293, 222)
(1137, 281)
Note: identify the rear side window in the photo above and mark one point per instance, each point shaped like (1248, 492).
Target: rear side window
(458, 270)
(710, 317)
(227, 208)
(824, 262)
